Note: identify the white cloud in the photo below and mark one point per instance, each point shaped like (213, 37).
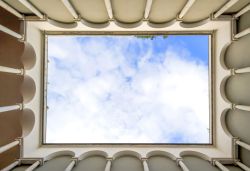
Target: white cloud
(98, 95)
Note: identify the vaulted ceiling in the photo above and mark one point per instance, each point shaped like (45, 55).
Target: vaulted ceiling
(125, 11)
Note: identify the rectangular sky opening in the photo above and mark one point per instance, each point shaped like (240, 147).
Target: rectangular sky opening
(127, 89)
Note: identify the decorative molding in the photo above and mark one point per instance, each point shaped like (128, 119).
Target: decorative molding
(10, 32)
(242, 144)
(71, 9)
(30, 161)
(70, 166)
(94, 25)
(182, 164)
(242, 11)
(11, 166)
(92, 153)
(109, 8)
(145, 164)
(242, 70)
(59, 153)
(108, 164)
(223, 161)
(9, 146)
(194, 24)
(160, 153)
(242, 166)
(242, 33)
(161, 25)
(233, 29)
(196, 154)
(219, 165)
(32, 8)
(11, 70)
(127, 153)
(186, 8)
(241, 107)
(10, 108)
(62, 25)
(148, 8)
(224, 8)
(33, 166)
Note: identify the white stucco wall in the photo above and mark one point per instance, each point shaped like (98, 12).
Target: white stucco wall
(32, 142)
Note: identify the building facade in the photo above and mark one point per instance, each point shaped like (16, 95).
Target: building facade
(24, 25)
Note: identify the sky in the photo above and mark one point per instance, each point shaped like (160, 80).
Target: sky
(125, 89)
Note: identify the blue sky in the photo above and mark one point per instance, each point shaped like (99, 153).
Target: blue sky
(124, 89)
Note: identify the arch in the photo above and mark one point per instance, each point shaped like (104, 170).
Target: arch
(197, 161)
(57, 161)
(194, 24)
(62, 25)
(94, 25)
(160, 153)
(27, 121)
(161, 25)
(237, 123)
(196, 154)
(223, 122)
(237, 89)
(161, 161)
(128, 25)
(92, 153)
(28, 89)
(127, 160)
(222, 89)
(59, 153)
(222, 55)
(28, 56)
(237, 54)
(126, 153)
(91, 161)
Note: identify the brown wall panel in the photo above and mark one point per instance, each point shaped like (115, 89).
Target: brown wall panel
(10, 51)
(9, 156)
(10, 21)
(10, 127)
(10, 89)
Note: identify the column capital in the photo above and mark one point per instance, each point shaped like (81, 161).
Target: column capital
(233, 106)
(75, 159)
(213, 161)
(20, 139)
(235, 139)
(109, 158)
(178, 160)
(236, 160)
(21, 106)
(22, 72)
(232, 71)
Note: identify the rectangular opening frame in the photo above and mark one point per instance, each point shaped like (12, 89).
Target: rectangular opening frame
(211, 85)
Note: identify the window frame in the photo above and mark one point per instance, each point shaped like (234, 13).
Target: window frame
(211, 82)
